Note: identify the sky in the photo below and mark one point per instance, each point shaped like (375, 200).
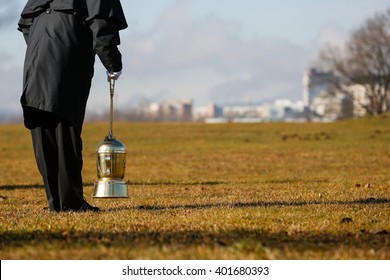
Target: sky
(226, 52)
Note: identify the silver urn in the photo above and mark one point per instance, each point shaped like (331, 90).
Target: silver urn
(111, 167)
(111, 161)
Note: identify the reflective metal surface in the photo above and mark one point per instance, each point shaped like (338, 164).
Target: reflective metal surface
(111, 159)
(108, 188)
(111, 167)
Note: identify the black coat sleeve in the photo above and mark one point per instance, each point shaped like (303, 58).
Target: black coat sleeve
(105, 43)
(24, 27)
(106, 18)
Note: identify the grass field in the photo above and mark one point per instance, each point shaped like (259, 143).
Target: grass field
(223, 191)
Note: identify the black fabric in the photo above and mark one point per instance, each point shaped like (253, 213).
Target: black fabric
(58, 153)
(110, 10)
(34, 7)
(62, 39)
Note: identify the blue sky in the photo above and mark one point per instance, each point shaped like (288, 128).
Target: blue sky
(298, 20)
(246, 51)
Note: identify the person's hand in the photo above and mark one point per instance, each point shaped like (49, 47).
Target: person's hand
(113, 75)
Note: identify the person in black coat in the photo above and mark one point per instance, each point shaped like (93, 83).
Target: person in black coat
(63, 38)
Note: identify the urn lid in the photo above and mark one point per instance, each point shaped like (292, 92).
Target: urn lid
(111, 145)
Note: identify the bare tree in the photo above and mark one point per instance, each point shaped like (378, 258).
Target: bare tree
(364, 60)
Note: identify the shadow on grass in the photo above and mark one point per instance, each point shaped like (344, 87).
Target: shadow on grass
(130, 183)
(20, 187)
(169, 183)
(368, 201)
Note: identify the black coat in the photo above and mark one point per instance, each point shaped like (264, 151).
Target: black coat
(62, 39)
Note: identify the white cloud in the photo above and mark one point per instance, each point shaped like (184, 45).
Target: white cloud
(332, 35)
(173, 54)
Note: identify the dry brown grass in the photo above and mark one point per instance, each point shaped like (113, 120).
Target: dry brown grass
(229, 191)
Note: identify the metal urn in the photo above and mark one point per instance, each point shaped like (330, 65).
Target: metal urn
(111, 162)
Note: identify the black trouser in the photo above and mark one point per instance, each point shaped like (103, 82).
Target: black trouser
(58, 153)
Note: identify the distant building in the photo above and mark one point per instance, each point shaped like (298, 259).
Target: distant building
(213, 111)
(176, 110)
(324, 101)
(314, 83)
(360, 100)
(242, 112)
(185, 111)
(331, 106)
(284, 110)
